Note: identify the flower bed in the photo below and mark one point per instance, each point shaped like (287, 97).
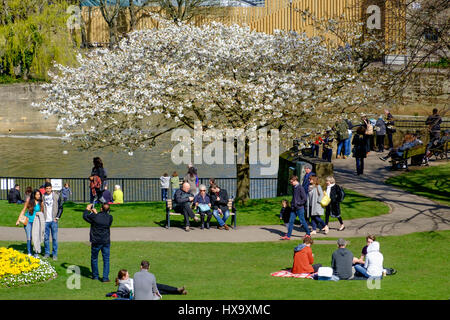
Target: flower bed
(17, 269)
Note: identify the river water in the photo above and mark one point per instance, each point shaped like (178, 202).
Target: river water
(50, 156)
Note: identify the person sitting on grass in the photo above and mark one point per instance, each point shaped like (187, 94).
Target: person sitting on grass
(341, 262)
(373, 266)
(117, 195)
(304, 258)
(369, 239)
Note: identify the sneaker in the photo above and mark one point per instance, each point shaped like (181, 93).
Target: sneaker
(207, 225)
(313, 232)
(285, 238)
(55, 258)
(338, 157)
(46, 256)
(107, 280)
(226, 227)
(345, 157)
(220, 228)
(383, 158)
(342, 228)
(36, 256)
(187, 229)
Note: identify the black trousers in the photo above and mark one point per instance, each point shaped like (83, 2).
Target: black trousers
(380, 142)
(186, 210)
(165, 289)
(202, 216)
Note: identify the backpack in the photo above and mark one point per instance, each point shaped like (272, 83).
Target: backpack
(341, 194)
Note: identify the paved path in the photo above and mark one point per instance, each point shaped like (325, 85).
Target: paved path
(409, 213)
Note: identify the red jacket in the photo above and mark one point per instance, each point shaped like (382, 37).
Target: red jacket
(303, 261)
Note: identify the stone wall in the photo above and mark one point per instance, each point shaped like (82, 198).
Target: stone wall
(17, 116)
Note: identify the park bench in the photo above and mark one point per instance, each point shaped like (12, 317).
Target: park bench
(171, 212)
(440, 150)
(416, 155)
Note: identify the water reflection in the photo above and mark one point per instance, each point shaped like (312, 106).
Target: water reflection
(50, 156)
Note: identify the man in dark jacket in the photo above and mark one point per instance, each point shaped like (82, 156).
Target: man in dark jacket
(182, 203)
(434, 124)
(14, 195)
(100, 238)
(298, 208)
(341, 262)
(219, 203)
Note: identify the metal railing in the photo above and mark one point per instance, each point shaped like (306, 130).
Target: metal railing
(137, 189)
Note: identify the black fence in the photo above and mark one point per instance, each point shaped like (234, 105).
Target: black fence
(137, 189)
(418, 124)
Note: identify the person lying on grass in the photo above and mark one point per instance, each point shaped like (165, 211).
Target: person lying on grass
(126, 287)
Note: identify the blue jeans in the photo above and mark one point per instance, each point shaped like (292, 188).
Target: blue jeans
(360, 268)
(221, 221)
(359, 165)
(341, 144)
(53, 228)
(300, 213)
(348, 145)
(28, 229)
(95, 249)
(317, 221)
(164, 194)
(315, 150)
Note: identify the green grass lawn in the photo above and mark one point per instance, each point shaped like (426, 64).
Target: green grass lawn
(152, 214)
(234, 271)
(430, 182)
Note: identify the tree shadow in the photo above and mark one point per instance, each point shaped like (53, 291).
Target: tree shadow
(19, 247)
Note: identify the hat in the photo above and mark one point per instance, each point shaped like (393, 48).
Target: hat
(341, 242)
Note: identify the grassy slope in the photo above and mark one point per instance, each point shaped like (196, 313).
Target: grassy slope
(221, 271)
(430, 182)
(152, 214)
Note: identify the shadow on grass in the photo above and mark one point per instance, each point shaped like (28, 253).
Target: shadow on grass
(84, 271)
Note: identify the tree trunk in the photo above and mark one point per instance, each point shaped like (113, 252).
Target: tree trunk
(243, 178)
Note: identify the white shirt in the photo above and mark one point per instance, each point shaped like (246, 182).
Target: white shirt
(329, 189)
(374, 261)
(165, 182)
(48, 203)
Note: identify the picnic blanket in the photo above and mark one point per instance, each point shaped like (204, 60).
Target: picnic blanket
(288, 274)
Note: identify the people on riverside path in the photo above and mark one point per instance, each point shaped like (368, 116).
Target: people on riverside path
(380, 128)
(298, 207)
(183, 200)
(341, 262)
(360, 149)
(313, 207)
(192, 179)
(30, 208)
(285, 213)
(390, 128)
(305, 185)
(434, 125)
(52, 210)
(66, 192)
(333, 209)
(14, 195)
(100, 238)
(98, 180)
(342, 135)
(174, 183)
(219, 201)
(348, 141)
(203, 204)
(327, 149)
(165, 184)
(304, 258)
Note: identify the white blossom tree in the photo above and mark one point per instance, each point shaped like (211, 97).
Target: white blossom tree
(223, 76)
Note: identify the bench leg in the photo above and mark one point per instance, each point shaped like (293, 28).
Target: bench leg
(168, 219)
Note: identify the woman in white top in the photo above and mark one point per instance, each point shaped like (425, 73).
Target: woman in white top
(373, 266)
